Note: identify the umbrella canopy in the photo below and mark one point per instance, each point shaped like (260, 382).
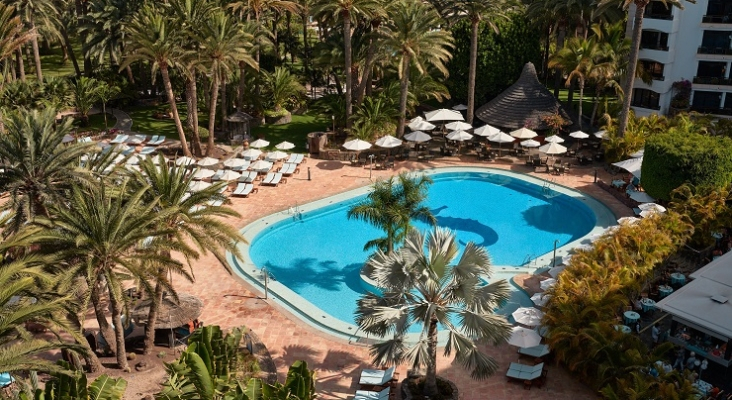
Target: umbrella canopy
(276, 155)
(523, 337)
(203, 174)
(184, 161)
(235, 162)
(460, 107)
(134, 160)
(160, 160)
(68, 139)
(554, 139)
(443, 114)
(417, 136)
(229, 175)
(628, 220)
(501, 137)
(523, 133)
(208, 161)
(652, 207)
(553, 148)
(261, 165)
(388, 142)
(530, 143)
(641, 197)
(419, 124)
(356, 145)
(540, 299)
(171, 314)
(458, 126)
(600, 134)
(638, 153)
(547, 283)
(528, 316)
(486, 131)
(285, 146)
(259, 143)
(579, 135)
(460, 136)
(632, 165)
(648, 213)
(251, 154)
(197, 186)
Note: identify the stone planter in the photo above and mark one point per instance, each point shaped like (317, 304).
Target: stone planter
(285, 119)
(408, 395)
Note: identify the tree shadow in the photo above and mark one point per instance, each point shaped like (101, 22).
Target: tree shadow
(329, 165)
(487, 233)
(324, 274)
(551, 218)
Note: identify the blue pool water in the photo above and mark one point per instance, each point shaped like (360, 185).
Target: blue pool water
(319, 256)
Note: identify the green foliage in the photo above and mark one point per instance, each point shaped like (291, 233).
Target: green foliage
(282, 89)
(683, 156)
(72, 384)
(708, 209)
(501, 57)
(375, 117)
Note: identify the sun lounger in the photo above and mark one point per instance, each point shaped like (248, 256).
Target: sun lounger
(156, 140)
(136, 139)
(376, 377)
(296, 158)
(372, 395)
(215, 203)
(524, 372)
(273, 179)
(147, 150)
(119, 139)
(535, 351)
(85, 139)
(248, 177)
(288, 169)
(243, 189)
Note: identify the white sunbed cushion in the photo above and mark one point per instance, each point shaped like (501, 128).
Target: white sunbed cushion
(368, 395)
(376, 376)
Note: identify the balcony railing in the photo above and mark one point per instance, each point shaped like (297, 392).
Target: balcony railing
(714, 50)
(712, 80)
(667, 17)
(658, 77)
(648, 106)
(712, 110)
(717, 19)
(653, 47)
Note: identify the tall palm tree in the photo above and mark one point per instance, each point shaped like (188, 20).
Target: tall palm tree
(197, 223)
(224, 44)
(36, 15)
(392, 205)
(12, 37)
(475, 11)
(103, 235)
(38, 169)
(413, 35)
(422, 286)
(346, 11)
(153, 37)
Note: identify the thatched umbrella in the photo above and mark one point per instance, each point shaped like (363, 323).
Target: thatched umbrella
(171, 314)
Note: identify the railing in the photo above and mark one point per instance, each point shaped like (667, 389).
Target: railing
(717, 19)
(712, 80)
(658, 77)
(661, 48)
(648, 106)
(667, 17)
(714, 50)
(712, 110)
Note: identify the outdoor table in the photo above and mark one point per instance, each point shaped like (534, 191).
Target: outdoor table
(665, 290)
(678, 278)
(631, 317)
(648, 304)
(623, 328)
(618, 183)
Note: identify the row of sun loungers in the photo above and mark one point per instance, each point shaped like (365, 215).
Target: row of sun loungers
(273, 179)
(138, 139)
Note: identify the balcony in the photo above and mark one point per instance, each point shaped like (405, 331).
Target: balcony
(714, 50)
(667, 17)
(716, 19)
(654, 47)
(712, 80)
(658, 77)
(712, 110)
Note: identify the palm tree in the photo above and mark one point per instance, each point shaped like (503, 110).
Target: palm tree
(392, 205)
(105, 93)
(413, 36)
(347, 10)
(155, 39)
(475, 11)
(37, 14)
(425, 288)
(38, 169)
(197, 224)
(101, 232)
(12, 37)
(224, 45)
(72, 384)
(377, 114)
(280, 86)
(86, 94)
(581, 58)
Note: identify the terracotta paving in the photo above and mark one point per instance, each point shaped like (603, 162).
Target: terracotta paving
(230, 302)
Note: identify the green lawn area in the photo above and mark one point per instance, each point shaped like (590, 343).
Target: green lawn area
(53, 65)
(295, 132)
(144, 122)
(96, 123)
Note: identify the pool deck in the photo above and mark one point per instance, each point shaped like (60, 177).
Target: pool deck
(229, 301)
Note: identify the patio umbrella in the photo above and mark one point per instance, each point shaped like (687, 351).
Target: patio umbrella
(554, 139)
(652, 207)
(632, 165)
(458, 126)
(388, 142)
(419, 124)
(203, 174)
(530, 143)
(648, 213)
(459, 136)
(285, 146)
(553, 148)
(276, 155)
(638, 153)
(356, 145)
(229, 175)
(601, 134)
(501, 138)
(579, 135)
(417, 136)
(259, 143)
(261, 166)
(171, 313)
(197, 186)
(486, 131)
(528, 316)
(251, 154)
(68, 139)
(540, 299)
(443, 114)
(460, 107)
(160, 160)
(134, 160)
(523, 133)
(523, 337)
(547, 283)
(235, 163)
(641, 197)
(208, 161)
(628, 220)
(184, 161)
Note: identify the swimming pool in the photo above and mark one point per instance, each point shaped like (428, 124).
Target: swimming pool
(315, 255)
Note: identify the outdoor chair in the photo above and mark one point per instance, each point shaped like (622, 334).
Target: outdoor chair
(377, 377)
(373, 395)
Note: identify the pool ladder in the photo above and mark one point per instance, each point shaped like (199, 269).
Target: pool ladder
(527, 260)
(546, 189)
(295, 212)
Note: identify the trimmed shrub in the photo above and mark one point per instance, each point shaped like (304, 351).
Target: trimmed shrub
(677, 157)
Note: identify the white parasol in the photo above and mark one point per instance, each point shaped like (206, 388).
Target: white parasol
(356, 145)
(285, 146)
(632, 165)
(460, 107)
(547, 283)
(184, 161)
(459, 136)
(486, 131)
(530, 143)
(208, 161)
(553, 148)
(652, 207)
(203, 174)
(197, 186)
(540, 299)
(554, 139)
(259, 143)
(443, 114)
(276, 155)
(388, 142)
(417, 136)
(261, 166)
(523, 133)
(628, 220)
(458, 126)
(523, 337)
(528, 316)
(501, 137)
(251, 154)
(579, 135)
(601, 134)
(419, 124)
(229, 175)
(235, 163)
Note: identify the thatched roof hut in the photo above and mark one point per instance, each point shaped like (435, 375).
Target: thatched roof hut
(171, 313)
(523, 103)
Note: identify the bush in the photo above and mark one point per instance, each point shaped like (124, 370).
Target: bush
(276, 113)
(676, 158)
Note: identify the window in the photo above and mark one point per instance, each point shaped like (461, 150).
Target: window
(646, 99)
(728, 101)
(719, 11)
(712, 69)
(657, 10)
(715, 42)
(706, 100)
(654, 40)
(653, 68)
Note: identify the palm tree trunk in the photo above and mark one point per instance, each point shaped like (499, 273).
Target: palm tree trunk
(242, 87)
(67, 43)
(212, 112)
(404, 92)
(275, 37)
(104, 327)
(119, 332)
(581, 95)
(346, 15)
(337, 81)
(430, 378)
(152, 319)
(640, 8)
(19, 62)
(473, 66)
(288, 44)
(561, 33)
(192, 120)
(224, 108)
(36, 52)
(130, 75)
(174, 109)
(597, 104)
(369, 65)
(305, 47)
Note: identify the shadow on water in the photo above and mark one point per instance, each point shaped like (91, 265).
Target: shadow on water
(352, 275)
(466, 225)
(549, 218)
(304, 272)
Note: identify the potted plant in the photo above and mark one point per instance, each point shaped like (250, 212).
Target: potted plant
(281, 89)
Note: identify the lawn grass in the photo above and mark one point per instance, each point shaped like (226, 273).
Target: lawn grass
(295, 132)
(144, 122)
(96, 123)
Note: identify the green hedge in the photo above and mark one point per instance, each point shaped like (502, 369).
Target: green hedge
(675, 158)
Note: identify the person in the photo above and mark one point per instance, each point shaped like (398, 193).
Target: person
(637, 327)
(679, 361)
(654, 334)
(637, 304)
(691, 361)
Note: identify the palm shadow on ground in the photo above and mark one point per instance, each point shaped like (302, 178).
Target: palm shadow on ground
(325, 274)
(467, 225)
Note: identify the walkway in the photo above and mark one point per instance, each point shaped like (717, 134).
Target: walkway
(124, 121)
